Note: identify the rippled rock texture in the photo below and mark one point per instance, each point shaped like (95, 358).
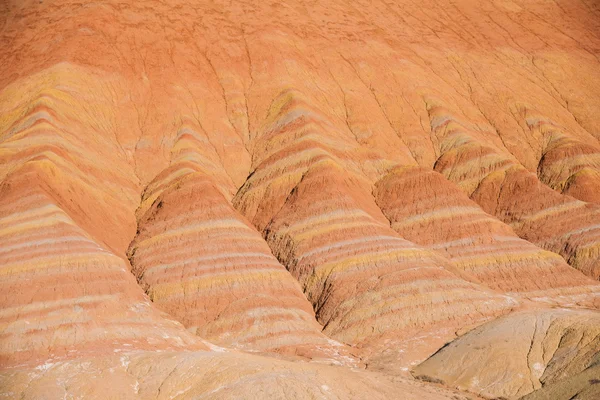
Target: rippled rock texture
(271, 199)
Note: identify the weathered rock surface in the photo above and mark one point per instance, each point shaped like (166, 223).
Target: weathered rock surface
(65, 213)
(517, 354)
(504, 188)
(205, 265)
(424, 207)
(363, 280)
(583, 386)
(339, 183)
(208, 375)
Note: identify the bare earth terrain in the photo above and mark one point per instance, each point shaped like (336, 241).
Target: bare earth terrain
(300, 199)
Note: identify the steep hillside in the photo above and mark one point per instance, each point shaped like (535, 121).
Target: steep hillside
(294, 199)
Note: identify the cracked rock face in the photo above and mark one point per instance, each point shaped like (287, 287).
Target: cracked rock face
(266, 199)
(522, 352)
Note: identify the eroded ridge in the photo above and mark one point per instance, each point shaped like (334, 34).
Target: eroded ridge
(504, 188)
(568, 164)
(363, 279)
(426, 208)
(282, 177)
(64, 286)
(204, 264)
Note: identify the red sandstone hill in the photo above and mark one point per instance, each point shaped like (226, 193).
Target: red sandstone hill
(300, 200)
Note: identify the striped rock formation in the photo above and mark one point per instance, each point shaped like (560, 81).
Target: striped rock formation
(568, 164)
(203, 264)
(364, 281)
(357, 184)
(64, 286)
(517, 354)
(73, 316)
(504, 188)
(424, 207)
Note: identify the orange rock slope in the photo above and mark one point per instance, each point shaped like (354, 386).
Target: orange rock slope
(299, 199)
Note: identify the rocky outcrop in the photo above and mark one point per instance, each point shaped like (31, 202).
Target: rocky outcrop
(583, 385)
(518, 354)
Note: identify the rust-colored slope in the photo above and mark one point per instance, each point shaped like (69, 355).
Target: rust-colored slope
(504, 188)
(424, 207)
(296, 132)
(61, 124)
(364, 281)
(62, 291)
(63, 283)
(69, 301)
(205, 265)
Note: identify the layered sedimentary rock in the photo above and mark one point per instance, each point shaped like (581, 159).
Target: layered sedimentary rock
(322, 223)
(517, 354)
(279, 177)
(567, 164)
(205, 265)
(424, 207)
(504, 188)
(63, 286)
